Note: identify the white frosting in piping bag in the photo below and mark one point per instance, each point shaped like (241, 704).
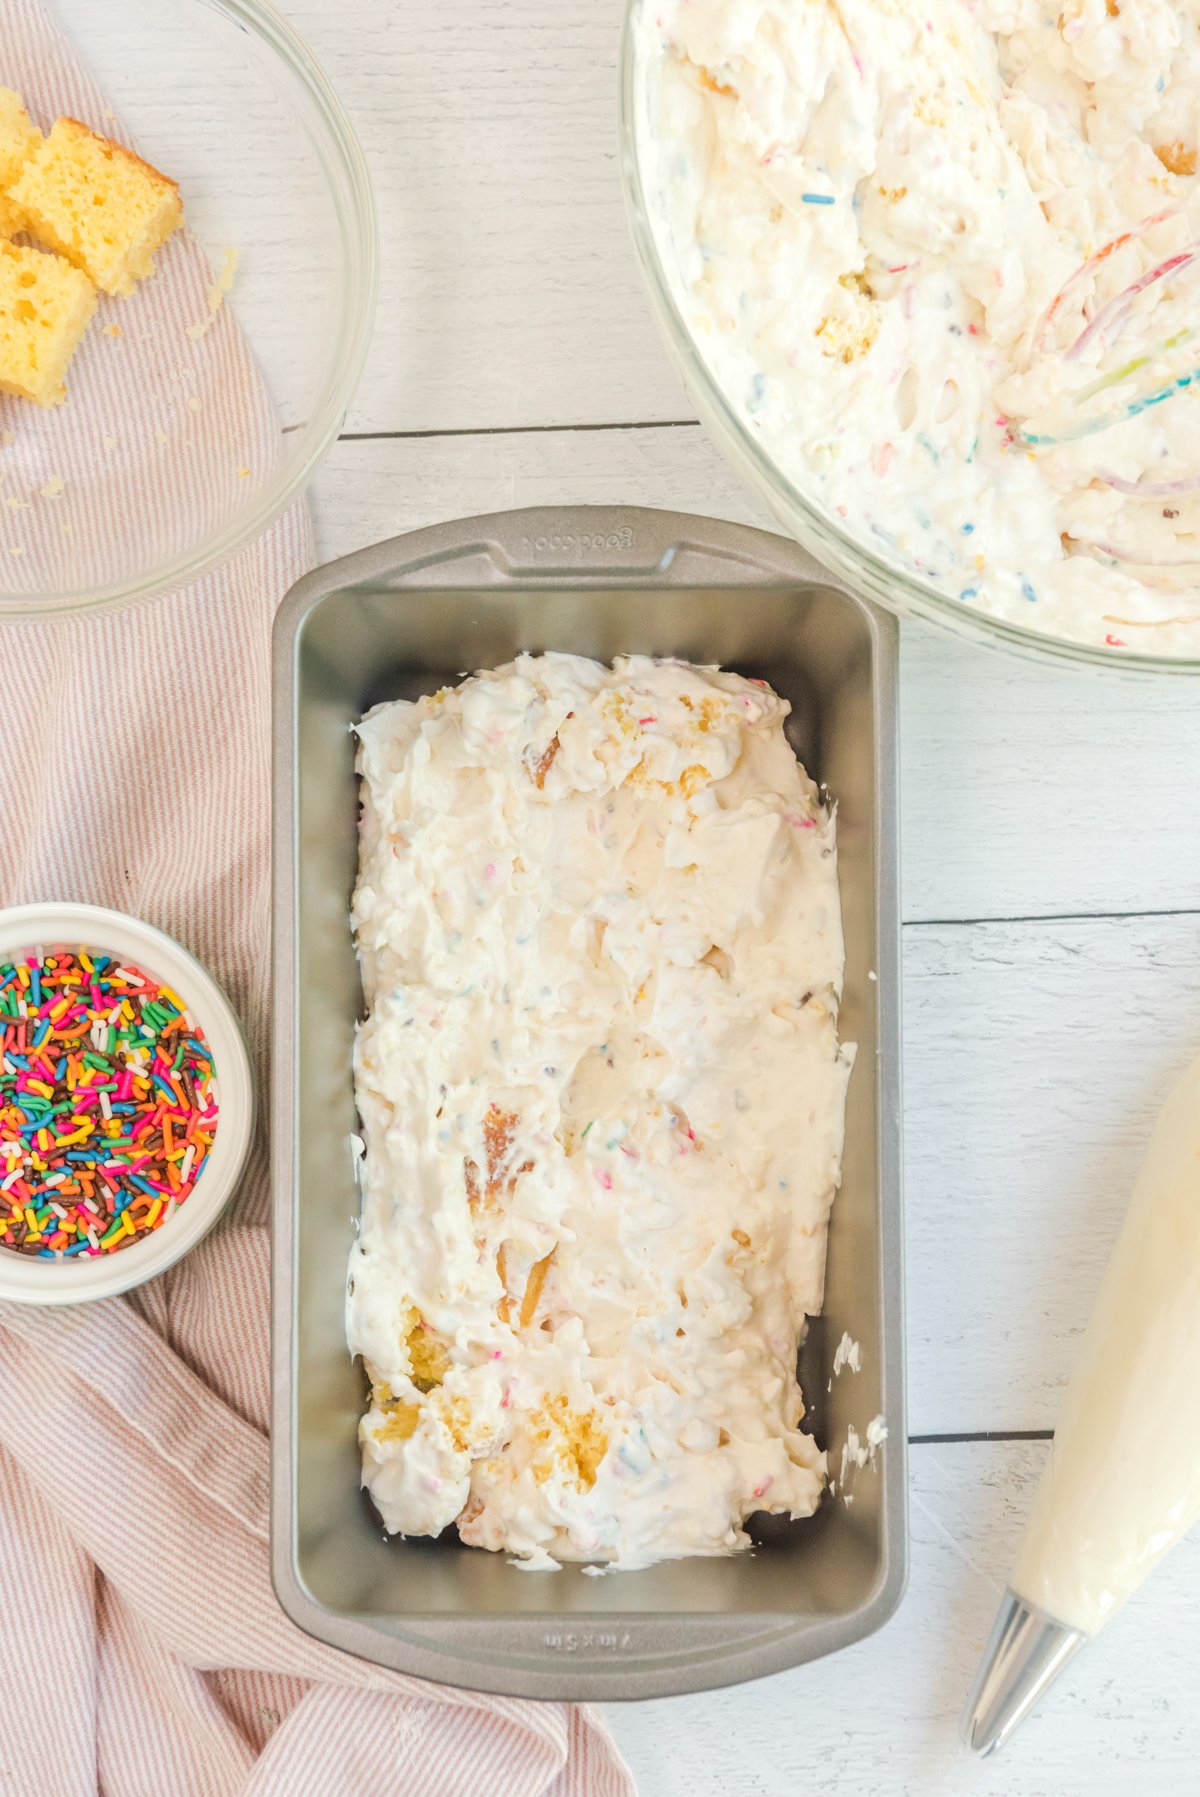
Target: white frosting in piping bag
(916, 241)
(1122, 1483)
(602, 1096)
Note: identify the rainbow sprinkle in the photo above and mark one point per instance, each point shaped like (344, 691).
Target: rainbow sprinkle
(108, 1104)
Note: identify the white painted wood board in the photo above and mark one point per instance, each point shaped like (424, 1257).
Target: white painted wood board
(881, 1720)
(509, 290)
(1051, 892)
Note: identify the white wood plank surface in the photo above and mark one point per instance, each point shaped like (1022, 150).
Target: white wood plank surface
(1035, 1057)
(881, 1720)
(509, 290)
(1051, 892)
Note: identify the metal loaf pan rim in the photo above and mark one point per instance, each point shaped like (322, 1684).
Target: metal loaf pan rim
(583, 547)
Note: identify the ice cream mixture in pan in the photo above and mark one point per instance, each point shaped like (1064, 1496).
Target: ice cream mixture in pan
(602, 1096)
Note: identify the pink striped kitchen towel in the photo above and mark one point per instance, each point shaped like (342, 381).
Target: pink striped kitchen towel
(143, 1651)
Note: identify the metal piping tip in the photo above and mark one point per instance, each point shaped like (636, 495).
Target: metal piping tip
(1025, 1655)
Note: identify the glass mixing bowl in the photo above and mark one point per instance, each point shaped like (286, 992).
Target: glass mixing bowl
(863, 570)
(198, 408)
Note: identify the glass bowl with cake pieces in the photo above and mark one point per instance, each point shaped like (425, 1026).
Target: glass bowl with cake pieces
(188, 269)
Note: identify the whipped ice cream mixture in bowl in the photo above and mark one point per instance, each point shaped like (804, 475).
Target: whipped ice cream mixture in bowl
(602, 1096)
(941, 261)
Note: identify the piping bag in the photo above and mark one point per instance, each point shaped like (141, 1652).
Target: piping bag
(1121, 1484)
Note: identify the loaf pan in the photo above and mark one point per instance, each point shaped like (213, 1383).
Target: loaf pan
(407, 617)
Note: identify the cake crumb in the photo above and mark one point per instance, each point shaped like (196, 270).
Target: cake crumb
(53, 487)
(1177, 157)
(224, 281)
(222, 285)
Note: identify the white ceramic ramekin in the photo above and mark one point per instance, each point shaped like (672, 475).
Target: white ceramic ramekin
(26, 1279)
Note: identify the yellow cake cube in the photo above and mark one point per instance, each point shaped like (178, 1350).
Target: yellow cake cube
(46, 306)
(97, 204)
(19, 138)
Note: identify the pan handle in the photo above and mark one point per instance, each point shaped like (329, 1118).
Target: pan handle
(548, 543)
(580, 545)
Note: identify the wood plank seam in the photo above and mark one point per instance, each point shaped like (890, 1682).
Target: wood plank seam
(519, 430)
